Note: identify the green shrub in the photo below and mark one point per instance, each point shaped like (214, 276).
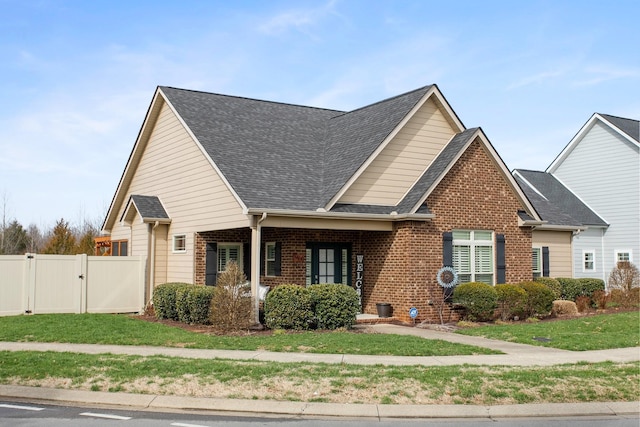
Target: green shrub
(573, 288)
(511, 300)
(552, 284)
(334, 305)
(199, 303)
(479, 300)
(182, 307)
(231, 304)
(539, 299)
(288, 307)
(164, 300)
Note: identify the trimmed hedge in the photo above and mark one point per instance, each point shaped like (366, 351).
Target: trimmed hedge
(573, 288)
(183, 302)
(511, 300)
(539, 299)
(199, 302)
(164, 300)
(288, 307)
(334, 305)
(479, 300)
(552, 284)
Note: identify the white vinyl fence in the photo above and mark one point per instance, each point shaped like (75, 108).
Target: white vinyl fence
(40, 284)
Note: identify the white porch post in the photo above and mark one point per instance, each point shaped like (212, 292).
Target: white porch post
(255, 266)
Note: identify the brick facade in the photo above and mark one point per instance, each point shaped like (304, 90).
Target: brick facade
(400, 266)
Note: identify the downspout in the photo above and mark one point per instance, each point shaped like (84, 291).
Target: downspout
(604, 277)
(152, 267)
(256, 238)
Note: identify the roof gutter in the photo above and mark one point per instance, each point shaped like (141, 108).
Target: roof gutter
(393, 216)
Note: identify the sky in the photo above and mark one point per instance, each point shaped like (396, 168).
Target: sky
(77, 77)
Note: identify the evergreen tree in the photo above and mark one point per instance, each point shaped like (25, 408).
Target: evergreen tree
(62, 240)
(15, 239)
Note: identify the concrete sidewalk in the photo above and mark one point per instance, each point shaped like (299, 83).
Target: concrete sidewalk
(515, 355)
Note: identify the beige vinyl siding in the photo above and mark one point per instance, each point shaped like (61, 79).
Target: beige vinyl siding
(559, 243)
(162, 248)
(139, 243)
(174, 168)
(394, 171)
(327, 224)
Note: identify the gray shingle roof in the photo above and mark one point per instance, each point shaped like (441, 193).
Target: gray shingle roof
(283, 156)
(554, 202)
(149, 207)
(629, 126)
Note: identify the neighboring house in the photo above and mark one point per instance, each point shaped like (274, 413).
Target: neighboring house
(378, 198)
(596, 181)
(565, 216)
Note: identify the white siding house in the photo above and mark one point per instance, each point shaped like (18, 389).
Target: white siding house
(601, 166)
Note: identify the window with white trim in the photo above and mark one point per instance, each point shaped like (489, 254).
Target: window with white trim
(270, 258)
(536, 262)
(588, 261)
(623, 255)
(473, 255)
(179, 243)
(228, 252)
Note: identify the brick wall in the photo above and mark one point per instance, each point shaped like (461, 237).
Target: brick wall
(401, 267)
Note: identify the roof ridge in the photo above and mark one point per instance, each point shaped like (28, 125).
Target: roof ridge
(618, 117)
(384, 100)
(252, 99)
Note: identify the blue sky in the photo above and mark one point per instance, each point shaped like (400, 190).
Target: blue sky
(77, 77)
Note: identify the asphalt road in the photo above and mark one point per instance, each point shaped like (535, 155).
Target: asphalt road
(36, 415)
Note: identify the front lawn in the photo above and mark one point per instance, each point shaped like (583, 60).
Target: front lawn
(127, 330)
(598, 332)
(317, 382)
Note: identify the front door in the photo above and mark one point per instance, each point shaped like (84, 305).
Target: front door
(328, 263)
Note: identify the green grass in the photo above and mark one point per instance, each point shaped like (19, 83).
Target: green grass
(127, 330)
(313, 382)
(597, 332)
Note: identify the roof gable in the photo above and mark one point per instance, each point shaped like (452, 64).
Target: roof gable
(628, 129)
(150, 209)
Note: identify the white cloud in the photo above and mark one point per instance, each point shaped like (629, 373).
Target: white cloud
(603, 73)
(299, 19)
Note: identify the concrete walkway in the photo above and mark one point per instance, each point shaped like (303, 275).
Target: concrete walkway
(515, 355)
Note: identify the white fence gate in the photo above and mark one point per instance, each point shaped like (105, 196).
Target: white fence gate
(40, 284)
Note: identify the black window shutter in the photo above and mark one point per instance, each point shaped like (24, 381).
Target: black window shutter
(500, 259)
(211, 264)
(447, 249)
(278, 266)
(246, 249)
(545, 261)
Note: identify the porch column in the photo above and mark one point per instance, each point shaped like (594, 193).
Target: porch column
(256, 231)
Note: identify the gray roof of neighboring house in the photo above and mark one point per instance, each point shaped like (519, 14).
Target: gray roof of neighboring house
(554, 202)
(629, 126)
(283, 156)
(149, 207)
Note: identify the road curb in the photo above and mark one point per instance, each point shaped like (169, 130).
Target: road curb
(314, 409)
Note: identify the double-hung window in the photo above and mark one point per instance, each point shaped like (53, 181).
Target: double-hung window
(179, 243)
(228, 252)
(588, 261)
(624, 255)
(270, 258)
(536, 262)
(473, 255)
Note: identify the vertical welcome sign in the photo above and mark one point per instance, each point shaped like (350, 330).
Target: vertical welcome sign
(359, 276)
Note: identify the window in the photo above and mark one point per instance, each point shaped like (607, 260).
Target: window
(536, 262)
(588, 261)
(270, 258)
(229, 252)
(179, 243)
(119, 248)
(473, 255)
(623, 255)
(328, 263)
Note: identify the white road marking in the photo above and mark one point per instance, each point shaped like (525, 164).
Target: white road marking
(108, 416)
(26, 408)
(186, 425)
